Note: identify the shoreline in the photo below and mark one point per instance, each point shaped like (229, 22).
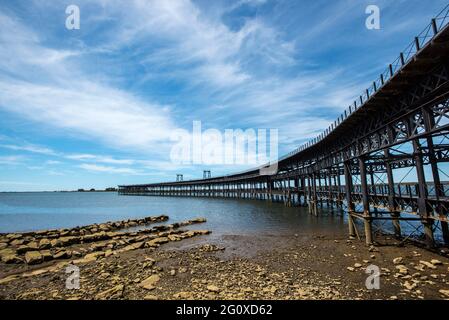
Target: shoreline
(301, 266)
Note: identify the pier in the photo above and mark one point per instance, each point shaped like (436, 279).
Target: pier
(399, 124)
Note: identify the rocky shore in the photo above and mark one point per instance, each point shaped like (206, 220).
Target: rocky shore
(166, 262)
(89, 242)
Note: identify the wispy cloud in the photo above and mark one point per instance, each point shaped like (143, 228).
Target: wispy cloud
(100, 159)
(108, 169)
(68, 99)
(29, 148)
(12, 160)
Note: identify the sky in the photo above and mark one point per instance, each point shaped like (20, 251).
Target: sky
(98, 106)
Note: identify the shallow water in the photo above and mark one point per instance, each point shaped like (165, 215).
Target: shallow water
(21, 212)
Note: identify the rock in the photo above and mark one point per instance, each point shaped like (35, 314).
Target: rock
(201, 232)
(409, 286)
(33, 257)
(394, 298)
(160, 240)
(56, 243)
(444, 292)
(9, 278)
(436, 262)
(7, 252)
(17, 242)
(182, 270)
(46, 255)
(427, 264)
(350, 268)
(402, 269)
(151, 244)
(113, 293)
(138, 245)
(96, 237)
(104, 227)
(149, 282)
(97, 246)
(11, 258)
(213, 288)
(419, 267)
(62, 255)
(44, 244)
(90, 257)
(173, 237)
(183, 295)
(188, 234)
(150, 297)
(108, 253)
(12, 236)
(76, 253)
(24, 248)
(398, 260)
(172, 272)
(3, 245)
(33, 245)
(67, 241)
(148, 263)
(357, 265)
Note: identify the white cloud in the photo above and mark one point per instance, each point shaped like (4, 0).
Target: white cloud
(210, 50)
(29, 148)
(98, 158)
(68, 99)
(52, 162)
(11, 160)
(108, 169)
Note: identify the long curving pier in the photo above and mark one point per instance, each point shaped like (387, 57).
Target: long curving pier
(400, 123)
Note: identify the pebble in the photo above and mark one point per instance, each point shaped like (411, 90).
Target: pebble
(213, 288)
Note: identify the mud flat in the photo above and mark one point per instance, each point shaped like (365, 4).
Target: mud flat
(167, 262)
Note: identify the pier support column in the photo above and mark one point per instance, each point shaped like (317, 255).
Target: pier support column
(429, 123)
(330, 201)
(394, 212)
(350, 204)
(365, 199)
(424, 211)
(320, 190)
(338, 183)
(313, 202)
(270, 189)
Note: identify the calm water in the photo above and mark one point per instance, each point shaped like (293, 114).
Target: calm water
(35, 211)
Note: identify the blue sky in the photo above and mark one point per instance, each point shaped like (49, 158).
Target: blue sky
(96, 107)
